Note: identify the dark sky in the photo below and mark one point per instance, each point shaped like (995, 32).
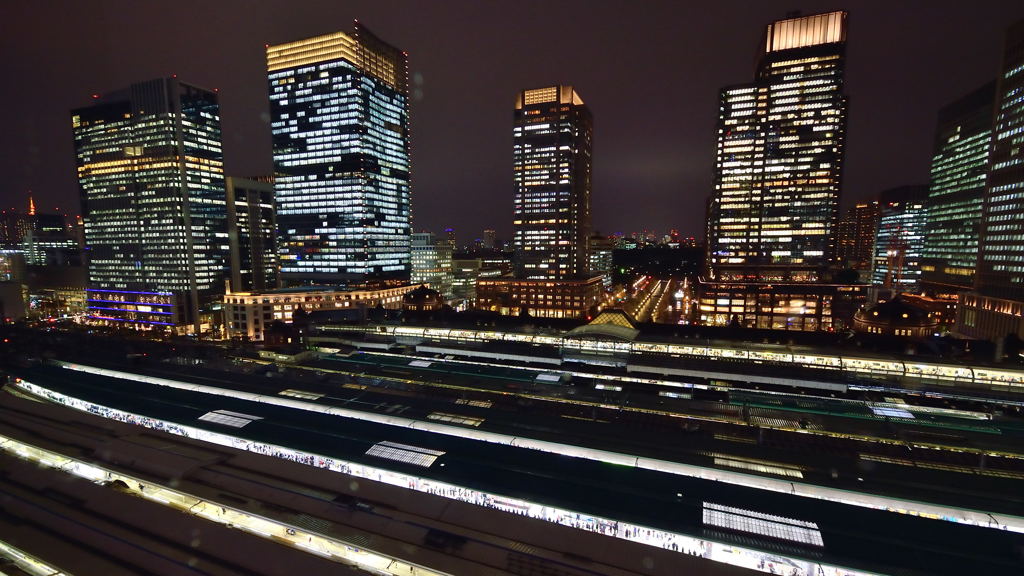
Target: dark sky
(649, 70)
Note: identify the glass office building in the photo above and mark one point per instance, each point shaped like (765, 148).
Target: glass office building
(780, 151)
(432, 262)
(900, 241)
(855, 240)
(552, 140)
(252, 233)
(1001, 258)
(339, 108)
(152, 186)
(996, 307)
(957, 190)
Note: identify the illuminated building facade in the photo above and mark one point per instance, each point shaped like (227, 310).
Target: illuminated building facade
(783, 306)
(252, 233)
(855, 241)
(601, 250)
(996, 308)
(432, 262)
(956, 191)
(248, 314)
(490, 239)
(902, 219)
(51, 249)
(1001, 250)
(339, 108)
(896, 317)
(465, 273)
(552, 138)
(569, 298)
(152, 187)
(780, 154)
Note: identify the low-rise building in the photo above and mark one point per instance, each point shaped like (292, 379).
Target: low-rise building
(541, 298)
(779, 306)
(247, 314)
(989, 318)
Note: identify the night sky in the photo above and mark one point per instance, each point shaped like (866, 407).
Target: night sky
(650, 72)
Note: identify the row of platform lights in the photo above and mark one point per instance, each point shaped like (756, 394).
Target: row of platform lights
(717, 515)
(28, 563)
(218, 512)
(875, 407)
(958, 515)
(854, 365)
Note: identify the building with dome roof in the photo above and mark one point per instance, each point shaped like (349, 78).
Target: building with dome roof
(895, 317)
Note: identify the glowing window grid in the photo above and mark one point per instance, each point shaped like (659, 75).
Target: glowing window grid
(769, 525)
(228, 418)
(404, 453)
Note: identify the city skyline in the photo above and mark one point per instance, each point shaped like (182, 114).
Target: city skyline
(432, 299)
(663, 153)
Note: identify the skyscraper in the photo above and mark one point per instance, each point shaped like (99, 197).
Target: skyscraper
(252, 234)
(152, 189)
(780, 153)
(900, 240)
(552, 161)
(339, 108)
(957, 190)
(855, 240)
(996, 308)
(1001, 249)
(552, 140)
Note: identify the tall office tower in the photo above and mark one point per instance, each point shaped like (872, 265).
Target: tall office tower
(552, 155)
(781, 144)
(956, 191)
(152, 189)
(902, 220)
(1001, 249)
(449, 234)
(432, 262)
(252, 233)
(490, 239)
(339, 107)
(855, 240)
(996, 306)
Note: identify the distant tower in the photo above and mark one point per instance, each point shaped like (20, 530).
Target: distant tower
(432, 262)
(900, 240)
(855, 238)
(252, 234)
(552, 139)
(31, 205)
(781, 147)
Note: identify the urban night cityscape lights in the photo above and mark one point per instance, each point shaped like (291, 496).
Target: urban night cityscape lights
(244, 353)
